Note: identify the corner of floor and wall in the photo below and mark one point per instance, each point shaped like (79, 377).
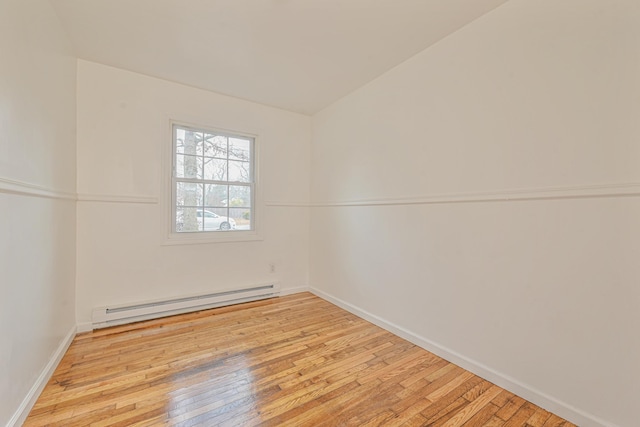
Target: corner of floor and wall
(480, 200)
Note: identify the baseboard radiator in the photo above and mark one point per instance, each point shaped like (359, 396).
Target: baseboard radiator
(103, 317)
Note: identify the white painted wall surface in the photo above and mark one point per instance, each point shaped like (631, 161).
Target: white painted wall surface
(536, 95)
(123, 128)
(37, 234)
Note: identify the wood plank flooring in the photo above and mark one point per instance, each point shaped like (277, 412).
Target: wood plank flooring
(291, 361)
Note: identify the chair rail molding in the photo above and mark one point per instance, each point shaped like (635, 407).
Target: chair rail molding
(546, 193)
(22, 188)
(117, 198)
(12, 186)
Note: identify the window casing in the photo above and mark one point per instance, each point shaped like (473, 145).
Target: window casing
(213, 182)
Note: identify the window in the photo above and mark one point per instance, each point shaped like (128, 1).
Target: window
(213, 181)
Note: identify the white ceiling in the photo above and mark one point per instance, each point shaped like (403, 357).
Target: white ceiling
(299, 55)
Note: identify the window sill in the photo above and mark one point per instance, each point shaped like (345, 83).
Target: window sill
(209, 238)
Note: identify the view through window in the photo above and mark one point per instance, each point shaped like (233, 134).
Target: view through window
(213, 181)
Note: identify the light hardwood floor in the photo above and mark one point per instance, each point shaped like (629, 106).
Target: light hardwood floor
(296, 360)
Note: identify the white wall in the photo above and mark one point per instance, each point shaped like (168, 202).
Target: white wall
(123, 128)
(37, 207)
(545, 292)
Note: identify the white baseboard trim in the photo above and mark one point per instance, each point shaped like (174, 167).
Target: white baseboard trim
(296, 290)
(30, 399)
(562, 409)
(84, 327)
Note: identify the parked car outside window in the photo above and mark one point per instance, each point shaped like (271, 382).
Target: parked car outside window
(212, 222)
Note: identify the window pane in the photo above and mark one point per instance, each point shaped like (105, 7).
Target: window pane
(189, 194)
(179, 169)
(215, 146)
(240, 149)
(242, 218)
(239, 171)
(179, 140)
(190, 143)
(199, 141)
(216, 195)
(187, 220)
(215, 169)
(187, 166)
(239, 196)
(221, 211)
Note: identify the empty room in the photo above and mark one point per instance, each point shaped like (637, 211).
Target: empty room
(320, 213)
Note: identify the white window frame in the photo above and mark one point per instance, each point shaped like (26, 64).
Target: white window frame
(203, 237)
